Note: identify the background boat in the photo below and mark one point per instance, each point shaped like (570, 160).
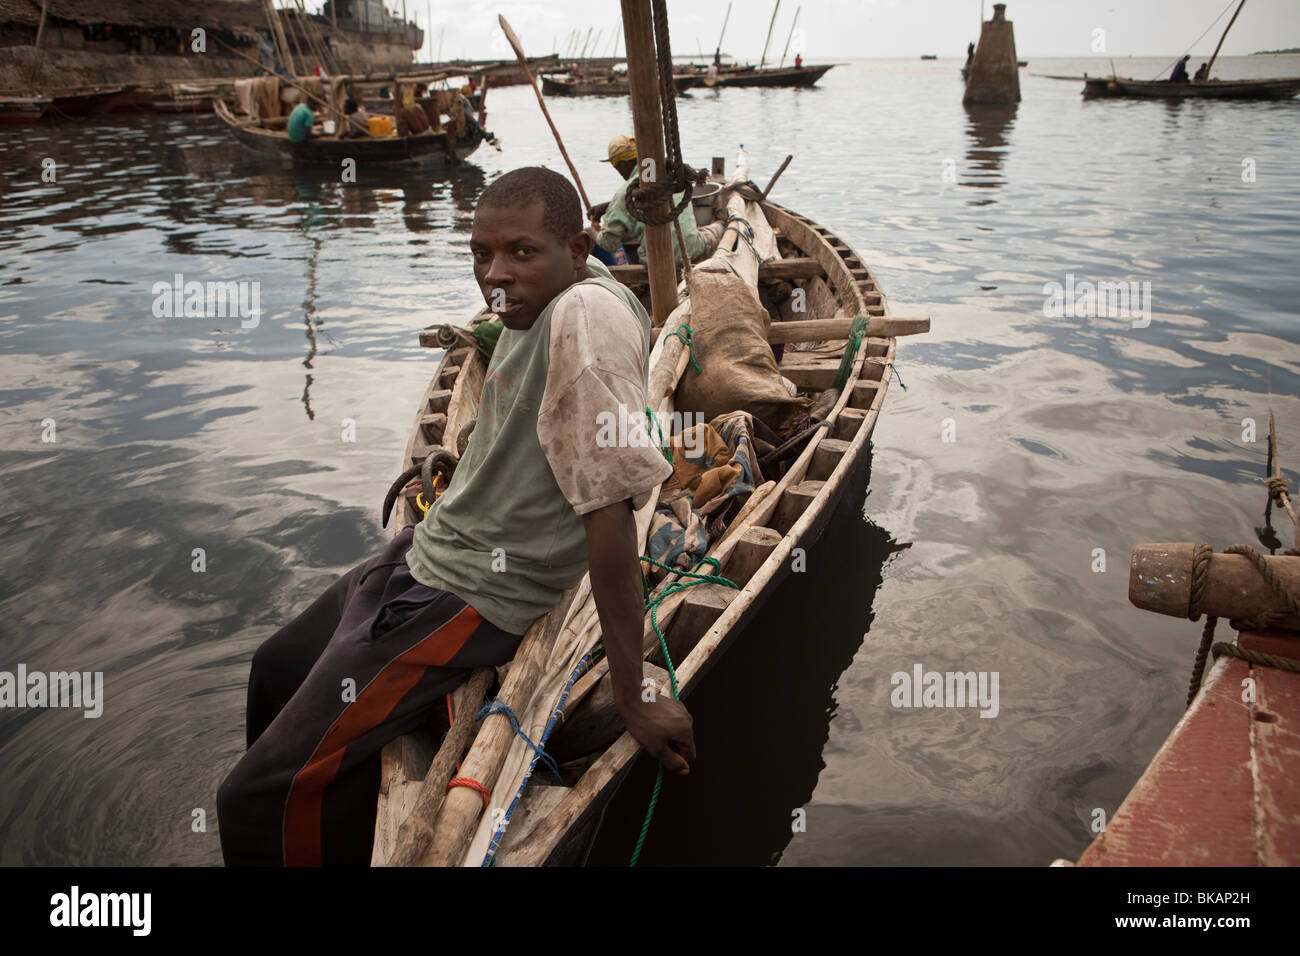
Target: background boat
(601, 86)
(1281, 88)
(427, 147)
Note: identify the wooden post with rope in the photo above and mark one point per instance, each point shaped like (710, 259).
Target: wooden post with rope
(647, 126)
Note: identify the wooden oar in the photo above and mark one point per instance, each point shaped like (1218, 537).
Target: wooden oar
(523, 63)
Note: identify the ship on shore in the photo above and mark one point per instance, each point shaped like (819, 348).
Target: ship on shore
(150, 43)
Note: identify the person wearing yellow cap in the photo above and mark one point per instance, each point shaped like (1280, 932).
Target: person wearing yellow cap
(614, 223)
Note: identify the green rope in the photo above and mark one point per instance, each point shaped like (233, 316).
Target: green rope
(654, 420)
(856, 332)
(653, 608)
(487, 334)
(686, 335)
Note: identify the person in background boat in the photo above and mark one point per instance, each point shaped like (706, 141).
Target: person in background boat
(356, 121)
(1202, 74)
(537, 500)
(300, 123)
(412, 120)
(1180, 71)
(613, 223)
(970, 53)
(798, 61)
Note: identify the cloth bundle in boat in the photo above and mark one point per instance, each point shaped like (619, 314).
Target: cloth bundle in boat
(738, 370)
(268, 97)
(714, 465)
(246, 95)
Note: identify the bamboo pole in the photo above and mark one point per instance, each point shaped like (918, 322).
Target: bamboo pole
(1210, 65)
(763, 58)
(523, 63)
(415, 835)
(788, 38)
(277, 33)
(461, 808)
(647, 124)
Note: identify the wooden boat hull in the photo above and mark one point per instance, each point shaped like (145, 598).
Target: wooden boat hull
(557, 86)
(85, 102)
(1221, 791)
(22, 110)
(423, 148)
(1272, 89)
(832, 465)
(790, 76)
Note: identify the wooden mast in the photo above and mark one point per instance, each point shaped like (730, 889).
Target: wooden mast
(788, 38)
(277, 31)
(718, 52)
(647, 125)
(763, 58)
(1209, 66)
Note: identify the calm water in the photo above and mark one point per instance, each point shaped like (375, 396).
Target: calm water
(1071, 434)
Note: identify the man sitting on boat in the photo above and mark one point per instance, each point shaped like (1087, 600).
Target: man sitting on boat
(356, 121)
(1180, 70)
(1202, 74)
(536, 500)
(617, 225)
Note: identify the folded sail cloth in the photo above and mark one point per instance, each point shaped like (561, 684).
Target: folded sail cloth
(245, 96)
(714, 469)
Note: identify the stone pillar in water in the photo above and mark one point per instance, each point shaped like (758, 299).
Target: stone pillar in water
(993, 76)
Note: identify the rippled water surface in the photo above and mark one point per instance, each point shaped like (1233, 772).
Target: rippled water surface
(1069, 435)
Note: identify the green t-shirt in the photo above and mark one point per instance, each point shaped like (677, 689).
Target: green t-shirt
(619, 225)
(300, 120)
(503, 537)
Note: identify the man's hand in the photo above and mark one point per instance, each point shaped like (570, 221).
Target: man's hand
(661, 726)
(597, 212)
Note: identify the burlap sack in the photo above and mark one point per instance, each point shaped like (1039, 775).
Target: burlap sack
(738, 371)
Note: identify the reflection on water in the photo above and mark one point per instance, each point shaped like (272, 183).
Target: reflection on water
(988, 126)
(1071, 435)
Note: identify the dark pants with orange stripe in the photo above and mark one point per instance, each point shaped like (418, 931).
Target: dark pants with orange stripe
(370, 660)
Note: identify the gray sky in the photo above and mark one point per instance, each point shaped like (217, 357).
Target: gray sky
(872, 28)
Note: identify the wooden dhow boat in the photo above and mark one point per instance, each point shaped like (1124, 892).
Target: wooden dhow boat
(557, 686)
(785, 76)
(603, 86)
(1280, 88)
(429, 147)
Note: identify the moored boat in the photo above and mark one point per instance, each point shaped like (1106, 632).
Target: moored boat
(787, 76)
(603, 86)
(430, 147)
(534, 821)
(22, 110)
(1277, 88)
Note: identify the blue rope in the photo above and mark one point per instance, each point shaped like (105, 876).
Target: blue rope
(890, 366)
(583, 665)
(498, 706)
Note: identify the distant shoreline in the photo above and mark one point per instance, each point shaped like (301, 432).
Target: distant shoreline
(1294, 49)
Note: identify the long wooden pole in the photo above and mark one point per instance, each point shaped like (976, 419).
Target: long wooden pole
(647, 124)
(523, 63)
(36, 58)
(790, 36)
(277, 32)
(769, 34)
(724, 30)
(1210, 65)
